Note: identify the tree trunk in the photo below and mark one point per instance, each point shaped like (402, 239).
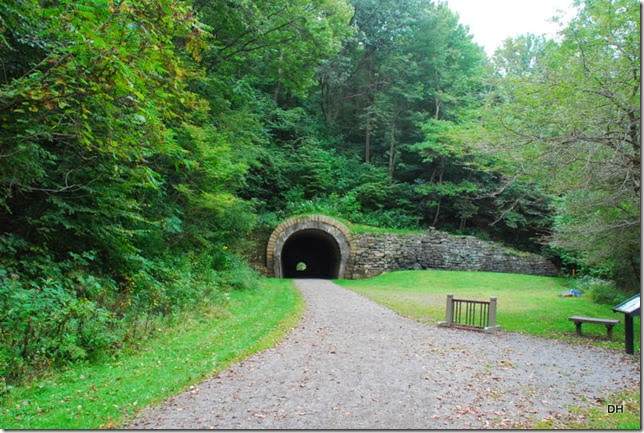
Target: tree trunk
(634, 134)
(392, 153)
(367, 138)
(278, 86)
(438, 211)
(276, 92)
(437, 96)
(440, 180)
(431, 179)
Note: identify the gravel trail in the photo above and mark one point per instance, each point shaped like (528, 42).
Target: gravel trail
(353, 364)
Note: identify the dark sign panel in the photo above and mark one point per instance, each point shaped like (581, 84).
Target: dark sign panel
(630, 306)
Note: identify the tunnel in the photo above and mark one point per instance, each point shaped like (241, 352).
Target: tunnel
(311, 253)
(310, 246)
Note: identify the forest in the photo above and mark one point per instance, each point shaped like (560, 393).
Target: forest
(142, 141)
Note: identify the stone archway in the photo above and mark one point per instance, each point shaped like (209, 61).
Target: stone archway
(313, 246)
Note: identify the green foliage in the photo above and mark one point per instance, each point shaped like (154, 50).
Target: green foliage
(142, 140)
(315, 167)
(599, 290)
(409, 61)
(275, 43)
(198, 343)
(568, 113)
(56, 312)
(52, 318)
(399, 97)
(116, 191)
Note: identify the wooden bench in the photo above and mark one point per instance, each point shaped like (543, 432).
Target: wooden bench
(608, 322)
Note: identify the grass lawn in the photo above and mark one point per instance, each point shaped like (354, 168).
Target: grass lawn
(527, 304)
(204, 342)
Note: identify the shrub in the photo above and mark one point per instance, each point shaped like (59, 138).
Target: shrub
(238, 275)
(54, 312)
(50, 313)
(599, 290)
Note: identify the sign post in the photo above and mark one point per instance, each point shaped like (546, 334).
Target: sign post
(630, 308)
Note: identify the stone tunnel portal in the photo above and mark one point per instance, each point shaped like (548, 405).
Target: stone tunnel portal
(312, 246)
(311, 254)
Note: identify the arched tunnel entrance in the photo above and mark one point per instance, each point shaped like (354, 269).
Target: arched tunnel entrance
(310, 254)
(312, 246)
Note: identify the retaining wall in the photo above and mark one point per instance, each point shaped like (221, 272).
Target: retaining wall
(433, 249)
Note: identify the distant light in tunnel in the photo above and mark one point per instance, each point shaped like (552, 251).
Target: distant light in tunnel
(301, 266)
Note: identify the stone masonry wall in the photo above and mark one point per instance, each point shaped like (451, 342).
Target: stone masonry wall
(377, 253)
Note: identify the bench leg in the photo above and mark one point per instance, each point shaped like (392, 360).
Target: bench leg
(578, 326)
(609, 331)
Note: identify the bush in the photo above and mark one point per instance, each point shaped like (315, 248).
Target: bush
(238, 275)
(55, 312)
(52, 313)
(599, 290)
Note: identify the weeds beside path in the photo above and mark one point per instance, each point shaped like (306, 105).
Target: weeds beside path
(206, 342)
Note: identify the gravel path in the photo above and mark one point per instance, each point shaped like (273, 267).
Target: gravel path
(353, 364)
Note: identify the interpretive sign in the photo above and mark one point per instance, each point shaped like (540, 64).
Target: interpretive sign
(630, 308)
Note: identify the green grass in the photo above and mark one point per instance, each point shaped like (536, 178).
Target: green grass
(598, 418)
(361, 228)
(206, 341)
(526, 303)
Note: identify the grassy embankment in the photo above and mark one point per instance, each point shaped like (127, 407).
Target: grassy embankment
(359, 228)
(204, 342)
(526, 304)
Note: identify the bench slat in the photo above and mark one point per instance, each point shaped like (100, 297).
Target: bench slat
(594, 320)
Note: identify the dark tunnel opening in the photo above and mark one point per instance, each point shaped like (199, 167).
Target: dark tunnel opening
(311, 254)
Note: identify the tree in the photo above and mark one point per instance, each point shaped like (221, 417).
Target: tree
(570, 112)
(278, 43)
(89, 96)
(117, 195)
